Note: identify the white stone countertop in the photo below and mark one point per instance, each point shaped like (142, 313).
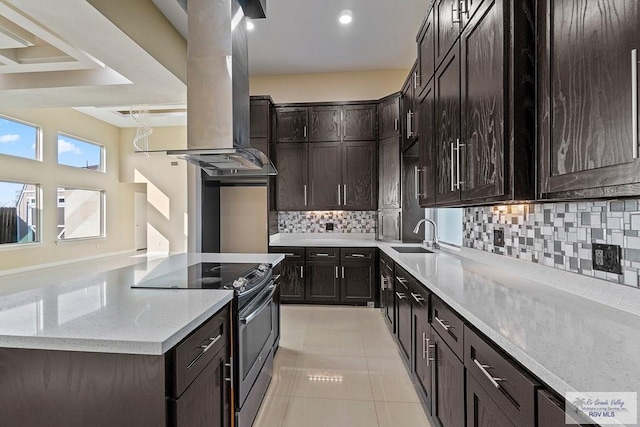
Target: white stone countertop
(576, 334)
(362, 240)
(100, 312)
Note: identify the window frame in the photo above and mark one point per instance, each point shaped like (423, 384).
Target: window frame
(103, 155)
(103, 214)
(39, 138)
(39, 235)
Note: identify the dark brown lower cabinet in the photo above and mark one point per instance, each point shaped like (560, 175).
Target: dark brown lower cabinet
(292, 281)
(322, 281)
(422, 358)
(403, 314)
(447, 403)
(481, 410)
(357, 284)
(206, 402)
(387, 296)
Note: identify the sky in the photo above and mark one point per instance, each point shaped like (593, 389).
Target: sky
(18, 139)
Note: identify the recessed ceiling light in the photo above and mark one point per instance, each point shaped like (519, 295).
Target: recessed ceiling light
(345, 17)
(250, 25)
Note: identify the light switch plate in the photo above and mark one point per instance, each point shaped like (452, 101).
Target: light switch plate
(328, 226)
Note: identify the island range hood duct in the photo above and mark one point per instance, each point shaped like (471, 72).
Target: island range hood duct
(218, 91)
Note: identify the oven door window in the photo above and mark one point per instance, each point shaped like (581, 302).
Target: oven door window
(255, 336)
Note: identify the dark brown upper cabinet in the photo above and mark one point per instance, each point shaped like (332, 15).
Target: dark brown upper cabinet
(331, 123)
(360, 123)
(292, 185)
(484, 109)
(389, 116)
(326, 124)
(587, 98)
(410, 105)
(325, 176)
(359, 178)
(448, 21)
(342, 175)
(292, 124)
(426, 54)
(389, 173)
(426, 173)
(261, 118)
(447, 128)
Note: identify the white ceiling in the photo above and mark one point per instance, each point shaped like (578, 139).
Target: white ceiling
(65, 53)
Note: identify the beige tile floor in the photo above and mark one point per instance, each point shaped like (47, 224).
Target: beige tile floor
(338, 367)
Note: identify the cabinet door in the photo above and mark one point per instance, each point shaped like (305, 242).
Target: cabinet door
(389, 173)
(292, 124)
(427, 148)
(325, 124)
(483, 120)
(325, 175)
(447, 128)
(390, 310)
(586, 93)
(426, 52)
(259, 118)
(322, 281)
(359, 177)
(470, 9)
(359, 123)
(448, 385)
(292, 161)
(389, 118)
(403, 319)
(292, 282)
(357, 284)
(481, 410)
(423, 354)
(207, 400)
(447, 27)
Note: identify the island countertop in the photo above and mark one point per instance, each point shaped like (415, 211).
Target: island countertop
(101, 312)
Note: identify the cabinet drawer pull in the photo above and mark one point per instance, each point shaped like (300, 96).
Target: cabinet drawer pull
(400, 295)
(417, 297)
(634, 100)
(383, 283)
(323, 255)
(483, 369)
(277, 277)
(230, 366)
(205, 348)
(401, 280)
(441, 323)
(357, 255)
(289, 254)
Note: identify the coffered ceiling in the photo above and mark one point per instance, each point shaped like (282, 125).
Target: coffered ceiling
(103, 56)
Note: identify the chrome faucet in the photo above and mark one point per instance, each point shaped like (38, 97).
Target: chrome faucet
(434, 244)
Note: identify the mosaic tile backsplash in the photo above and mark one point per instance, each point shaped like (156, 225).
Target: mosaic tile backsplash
(315, 221)
(560, 235)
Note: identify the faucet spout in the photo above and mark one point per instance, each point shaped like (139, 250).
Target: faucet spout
(434, 243)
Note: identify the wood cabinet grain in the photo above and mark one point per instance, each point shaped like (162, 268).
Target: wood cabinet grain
(427, 165)
(292, 281)
(389, 173)
(426, 52)
(585, 87)
(358, 279)
(322, 281)
(360, 123)
(292, 124)
(292, 185)
(326, 123)
(481, 410)
(447, 30)
(359, 183)
(403, 312)
(448, 401)
(389, 117)
(325, 176)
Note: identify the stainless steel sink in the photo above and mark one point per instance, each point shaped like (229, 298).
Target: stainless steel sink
(411, 250)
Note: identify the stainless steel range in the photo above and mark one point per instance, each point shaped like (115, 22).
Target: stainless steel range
(255, 323)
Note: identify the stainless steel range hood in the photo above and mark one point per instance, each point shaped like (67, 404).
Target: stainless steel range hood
(218, 90)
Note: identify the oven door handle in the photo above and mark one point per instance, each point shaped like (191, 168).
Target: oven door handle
(254, 313)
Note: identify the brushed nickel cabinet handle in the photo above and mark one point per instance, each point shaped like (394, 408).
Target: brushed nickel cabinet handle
(400, 295)
(302, 272)
(453, 184)
(416, 175)
(458, 182)
(441, 323)
(339, 196)
(337, 272)
(305, 131)
(344, 190)
(343, 272)
(409, 124)
(634, 100)
(483, 369)
(395, 124)
(305, 194)
(417, 297)
(205, 348)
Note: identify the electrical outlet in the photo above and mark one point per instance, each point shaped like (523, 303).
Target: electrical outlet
(606, 258)
(328, 226)
(498, 237)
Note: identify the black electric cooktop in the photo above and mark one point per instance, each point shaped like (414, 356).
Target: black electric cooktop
(211, 275)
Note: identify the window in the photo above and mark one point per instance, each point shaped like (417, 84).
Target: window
(80, 214)
(19, 208)
(19, 139)
(450, 225)
(80, 154)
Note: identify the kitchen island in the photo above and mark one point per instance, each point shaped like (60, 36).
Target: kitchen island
(90, 350)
